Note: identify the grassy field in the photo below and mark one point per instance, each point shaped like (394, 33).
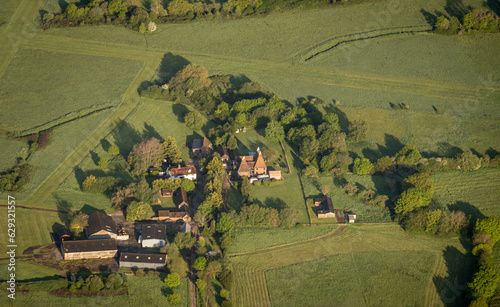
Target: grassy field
(364, 213)
(375, 255)
(11, 150)
(476, 193)
(8, 8)
(357, 279)
(30, 98)
(253, 239)
(32, 228)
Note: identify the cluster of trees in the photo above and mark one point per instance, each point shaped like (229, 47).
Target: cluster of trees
(143, 17)
(93, 184)
(116, 12)
(212, 191)
(219, 269)
(368, 196)
(173, 280)
(476, 21)
(485, 279)
(150, 153)
(37, 141)
(15, 178)
(185, 183)
(254, 215)
(77, 222)
(94, 283)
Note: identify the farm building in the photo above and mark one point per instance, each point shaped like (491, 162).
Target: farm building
(167, 192)
(173, 215)
(201, 148)
(324, 207)
(181, 172)
(88, 249)
(152, 235)
(251, 165)
(275, 175)
(143, 261)
(181, 200)
(101, 226)
(351, 217)
(63, 234)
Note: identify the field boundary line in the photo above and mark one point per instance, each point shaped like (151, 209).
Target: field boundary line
(283, 246)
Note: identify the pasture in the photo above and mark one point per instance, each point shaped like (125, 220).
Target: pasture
(254, 239)
(476, 192)
(11, 150)
(8, 9)
(364, 213)
(357, 262)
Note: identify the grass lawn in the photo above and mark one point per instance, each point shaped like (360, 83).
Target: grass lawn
(476, 193)
(253, 239)
(364, 213)
(370, 264)
(33, 227)
(11, 150)
(60, 85)
(167, 203)
(65, 199)
(357, 279)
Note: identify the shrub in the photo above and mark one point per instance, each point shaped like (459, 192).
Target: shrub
(173, 280)
(201, 284)
(200, 263)
(193, 120)
(363, 166)
(174, 299)
(114, 150)
(224, 294)
(94, 283)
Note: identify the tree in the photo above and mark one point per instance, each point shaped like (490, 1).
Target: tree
(213, 268)
(200, 263)
(142, 192)
(142, 28)
(310, 171)
(170, 150)
(224, 294)
(174, 299)
(114, 281)
(78, 222)
(201, 218)
(409, 155)
(383, 165)
(103, 163)
(188, 185)
(94, 283)
(173, 280)
(491, 226)
(114, 150)
(246, 186)
(179, 7)
(468, 161)
(332, 119)
(422, 181)
(288, 217)
(139, 211)
(433, 217)
(226, 278)
(324, 189)
(193, 120)
(225, 224)
(240, 119)
(484, 282)
(270, 154)
(117, 7)
(357, 130)
(232, 144)
(144, 155)
(328, 162)
(411, 199)
(363, 166)
(201, 284)
(309, 149)
(275, 132)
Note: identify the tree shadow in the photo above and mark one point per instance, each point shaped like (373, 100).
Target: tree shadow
(63, 5)
(150, 132)
(217, 289)
(190, 138)
(275, 202)
(492, 152)
(63, 208)
(87, 209)
(180, 110)
(95, 157)
(392, 145)
(468, 209)
(105, 144)
(169, 66)
(429, 17)
(494, 6)
(457, 8)
(343, 120)
(57, 226)
(452, 289)
(126, 137)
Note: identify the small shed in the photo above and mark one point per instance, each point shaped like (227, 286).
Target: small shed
(167, 192)
(351, 217)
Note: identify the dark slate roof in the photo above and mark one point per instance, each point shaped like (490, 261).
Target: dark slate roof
(153, 231)
(144, 258)
(89, 245)
(100, 221)
(171, 214)
(180, 196)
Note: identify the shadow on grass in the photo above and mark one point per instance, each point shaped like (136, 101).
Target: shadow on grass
(126, 137)
(169, 66)
(180, 110)
(275, 203)
(452, 289)
(468, 209)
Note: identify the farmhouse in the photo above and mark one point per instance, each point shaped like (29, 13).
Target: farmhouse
(166, 192)
(324, 207)
(181, 199)
(88, 249)
(251, 165)
(143, 261)
(101, 226)
(201, 148)
(181, 172)
(152, 235)
(173, 215)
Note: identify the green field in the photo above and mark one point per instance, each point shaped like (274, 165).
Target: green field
(253, 239)
(11, 150)
(370, 264)
(76, 83)
(476, 193)
(8, 8)
(357, 279)
(364, 213)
